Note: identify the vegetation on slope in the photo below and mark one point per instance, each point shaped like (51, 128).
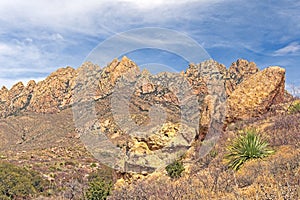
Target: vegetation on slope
(294, 107)
(175, 169)
(19, 183)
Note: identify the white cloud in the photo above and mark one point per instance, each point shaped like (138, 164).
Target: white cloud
(19, 56)
(56, 37)
(149, 4)
(291, 48)
(6, 50)
(91, 17)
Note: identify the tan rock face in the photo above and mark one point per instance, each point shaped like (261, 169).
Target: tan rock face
(15, 99)
(255, 95)
(3, 100)
(54, 93)
(198, 75)
(208, 80)
(147, 88)
(21, 97)
(162, 137)
(110, 74)
(238, 72)
(3, 94)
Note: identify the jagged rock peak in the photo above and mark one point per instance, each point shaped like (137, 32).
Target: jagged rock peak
(17, 85)
(3, 94)
(238, 72)
(53, 93)
(16, 89)
(121, 66)
(113, 71)
(62, 72)
(3, 89)
(31, 85)
(205, 68)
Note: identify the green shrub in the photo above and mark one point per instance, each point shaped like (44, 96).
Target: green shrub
(99, 189)
(294, 108)
(19, 183)
(104, 172)
(245, 147)
(175, 169)
(93, 165)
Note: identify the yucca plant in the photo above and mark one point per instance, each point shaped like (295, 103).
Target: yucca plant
(246, 147)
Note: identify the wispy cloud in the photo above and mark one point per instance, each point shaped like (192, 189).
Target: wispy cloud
(91, 17)
(40, 36)
(291, 48)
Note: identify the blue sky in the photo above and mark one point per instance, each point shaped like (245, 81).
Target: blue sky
(38, 37)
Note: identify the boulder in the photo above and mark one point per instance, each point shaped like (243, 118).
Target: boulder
(254, 96)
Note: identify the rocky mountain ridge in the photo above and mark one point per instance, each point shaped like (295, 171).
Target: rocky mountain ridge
(172, 111)
(55, 92)
(38, 128)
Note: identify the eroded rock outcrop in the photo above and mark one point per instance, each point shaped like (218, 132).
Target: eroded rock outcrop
(3, 100)
(54, 93)
(254, 96)
(16, 99)
(151, 117)
(238, 72)
(111, 74)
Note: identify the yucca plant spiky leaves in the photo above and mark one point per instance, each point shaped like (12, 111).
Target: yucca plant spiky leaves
(245, 147)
